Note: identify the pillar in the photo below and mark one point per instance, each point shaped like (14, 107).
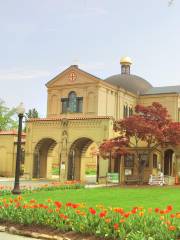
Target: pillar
(82, 169)
(49, 166)
(63, 161)
(122, 170)
(178, 164)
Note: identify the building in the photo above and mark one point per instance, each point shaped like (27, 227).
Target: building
(8, 147)
(81, 109)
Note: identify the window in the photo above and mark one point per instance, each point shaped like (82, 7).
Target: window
(125, 111)
(72, 103)
(155, 161)
(79, 104)
(130, 111)
(64, 104)
(129, 160)
(144, 159)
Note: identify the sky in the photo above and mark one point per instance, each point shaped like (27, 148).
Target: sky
(40, 38)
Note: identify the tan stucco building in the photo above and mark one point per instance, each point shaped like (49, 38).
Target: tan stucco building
(81, 109)
(8, 147)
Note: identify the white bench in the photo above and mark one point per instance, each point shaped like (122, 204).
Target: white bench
(157, 180)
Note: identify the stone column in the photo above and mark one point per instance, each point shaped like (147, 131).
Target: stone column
(82, 169)
(49, 166)
(28, 168)
(122, 170)
(178, 164)
(162, 162)
(63, 165)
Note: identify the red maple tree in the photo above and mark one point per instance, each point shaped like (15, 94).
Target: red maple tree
(148, 129)
(114, 146)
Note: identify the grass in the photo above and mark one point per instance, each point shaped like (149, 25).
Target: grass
(115, 197)
(91, 172)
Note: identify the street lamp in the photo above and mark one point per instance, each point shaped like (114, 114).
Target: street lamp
(20, 110)
(97, 170)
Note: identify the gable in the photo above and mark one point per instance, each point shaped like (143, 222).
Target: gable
(72, 76)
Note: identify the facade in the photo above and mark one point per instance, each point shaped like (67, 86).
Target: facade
(8, 146)
(81, 109)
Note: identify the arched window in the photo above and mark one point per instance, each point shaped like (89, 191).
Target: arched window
(72, 102)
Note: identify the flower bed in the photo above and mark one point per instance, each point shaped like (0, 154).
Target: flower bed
(6, 190)
(110, 223)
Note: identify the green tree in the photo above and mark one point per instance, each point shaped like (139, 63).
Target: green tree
(8, 119)
(32, 113)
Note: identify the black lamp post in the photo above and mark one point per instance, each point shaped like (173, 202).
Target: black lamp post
(97, 170)
(20, 111)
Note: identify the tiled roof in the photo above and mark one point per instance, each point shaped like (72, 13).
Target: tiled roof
(12, 132)
(69, 118)
(161, 90)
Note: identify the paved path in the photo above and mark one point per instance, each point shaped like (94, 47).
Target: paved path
(90, 182)
(7, 236)
(33, 183)
(90, 179)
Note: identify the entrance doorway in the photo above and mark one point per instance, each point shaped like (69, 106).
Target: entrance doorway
(80, 159)
(117, 161)
(42, 163)
(168, 159)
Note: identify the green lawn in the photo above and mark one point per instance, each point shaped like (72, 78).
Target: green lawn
(116, 197)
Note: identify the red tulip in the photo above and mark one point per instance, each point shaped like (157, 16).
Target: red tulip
(102, 214)
(92, 211)
(116, 226)
(58, 204)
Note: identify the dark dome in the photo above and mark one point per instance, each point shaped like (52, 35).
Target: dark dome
(131, 83)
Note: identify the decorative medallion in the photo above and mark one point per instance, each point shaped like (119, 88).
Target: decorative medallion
(72, 77)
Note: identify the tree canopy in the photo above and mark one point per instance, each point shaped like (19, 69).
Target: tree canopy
(32, 113)
(151, 125)
(149, 128)
(8, 119)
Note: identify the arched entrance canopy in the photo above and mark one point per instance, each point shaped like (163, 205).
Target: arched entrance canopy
(71, 135)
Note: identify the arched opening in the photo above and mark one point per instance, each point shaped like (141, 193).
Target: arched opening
(168, 162)
(82, 157)
(42, 164)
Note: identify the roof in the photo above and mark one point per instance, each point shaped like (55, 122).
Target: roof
(68, 118)
(12, 132)
(75, 68)
(161, 90)
(129, 82)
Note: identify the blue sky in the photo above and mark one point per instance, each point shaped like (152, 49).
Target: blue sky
(40, 38)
